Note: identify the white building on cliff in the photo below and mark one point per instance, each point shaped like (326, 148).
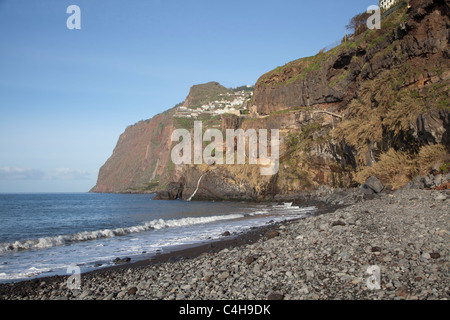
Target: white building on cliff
(386, 4)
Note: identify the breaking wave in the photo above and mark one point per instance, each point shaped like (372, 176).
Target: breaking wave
(62, 240)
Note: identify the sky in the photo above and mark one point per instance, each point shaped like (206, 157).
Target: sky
(66, 95)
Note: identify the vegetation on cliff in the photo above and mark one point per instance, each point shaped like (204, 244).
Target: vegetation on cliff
(376, 105)
(204, 93)
(389, 89)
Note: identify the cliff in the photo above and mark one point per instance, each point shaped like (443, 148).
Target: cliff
(413, 41)
(204, 93)
(141, 160)
(377, 105)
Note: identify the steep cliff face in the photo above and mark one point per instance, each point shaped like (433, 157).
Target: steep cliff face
(141, 160)
(377, 105)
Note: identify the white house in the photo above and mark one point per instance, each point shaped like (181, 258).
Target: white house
(386, 4)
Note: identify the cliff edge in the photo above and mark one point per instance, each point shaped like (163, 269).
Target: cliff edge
(375, 106)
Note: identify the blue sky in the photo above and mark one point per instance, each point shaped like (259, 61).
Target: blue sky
(67, 95)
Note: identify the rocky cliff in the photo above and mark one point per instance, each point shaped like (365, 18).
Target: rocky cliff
(141, 160)
(377, 105)
(416, 36)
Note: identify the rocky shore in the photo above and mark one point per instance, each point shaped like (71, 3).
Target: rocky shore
(404, 233)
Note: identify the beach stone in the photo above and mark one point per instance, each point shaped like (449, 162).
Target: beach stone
(440, 197)
(180, 296)
(85, 294)
(426, 256)
(143, 286)
(427, 181)
(208, 277)
(256, 268)
(179, 277)
(323, 226)
(374, 184)
(435, 255)
(272, 234)
(119, 261)
(366, 191)
(186, 287)
(338, 223)
(109, 296)
(226, 234)
(223, 275)
(344, 255)
(250, 260)
(417, 183)
(132, 291)
(376, 249)
(402, 292)
(76, 292)
(275, 296)
(314, 296)
(437, 180)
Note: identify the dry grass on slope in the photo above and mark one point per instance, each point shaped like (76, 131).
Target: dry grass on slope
(397, 168)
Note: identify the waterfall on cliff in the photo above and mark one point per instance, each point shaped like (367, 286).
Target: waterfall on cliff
(196, 190)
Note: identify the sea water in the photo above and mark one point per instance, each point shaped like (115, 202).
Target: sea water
(45, 234)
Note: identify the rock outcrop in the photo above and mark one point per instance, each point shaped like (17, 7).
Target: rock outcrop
(141, 160)
(420, 37)
(375, 106)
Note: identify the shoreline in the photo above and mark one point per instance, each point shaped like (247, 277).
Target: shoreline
(326, 256)
(177, 253)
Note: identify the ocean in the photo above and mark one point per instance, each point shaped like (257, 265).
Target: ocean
(45, 234)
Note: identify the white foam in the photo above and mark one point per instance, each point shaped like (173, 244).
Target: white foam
(61, 240)
(286, 210)
(26, 273)
(166, 233)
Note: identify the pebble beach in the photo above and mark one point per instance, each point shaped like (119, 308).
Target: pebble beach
(404, 235)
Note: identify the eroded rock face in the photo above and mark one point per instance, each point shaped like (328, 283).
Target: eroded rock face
(433, 127)
(307, 98)
(231, 122)
(141, 156)
(221, 183)
(308, 82)
(174, 191)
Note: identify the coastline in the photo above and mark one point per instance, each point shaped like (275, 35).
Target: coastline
(177, 253)
(404, 233)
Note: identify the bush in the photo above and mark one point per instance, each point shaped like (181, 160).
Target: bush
(358, 24)
(397, 168)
